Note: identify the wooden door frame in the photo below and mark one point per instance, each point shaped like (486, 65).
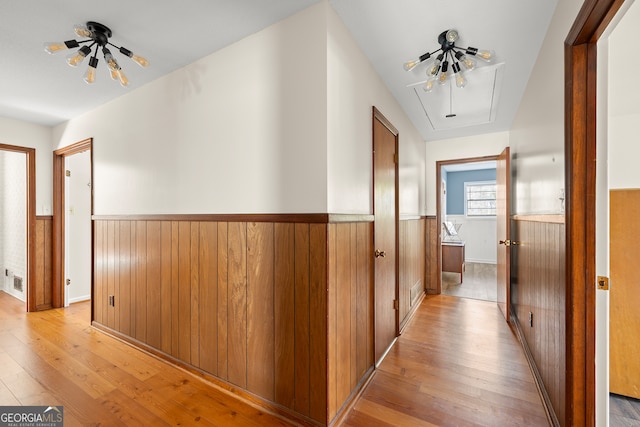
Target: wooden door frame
(581, 62)
(31, 220)
(58, 237)
(439, 165)
(377, 115)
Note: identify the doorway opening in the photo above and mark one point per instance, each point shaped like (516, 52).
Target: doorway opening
(73, 246)
(467, 264)
(18, 271)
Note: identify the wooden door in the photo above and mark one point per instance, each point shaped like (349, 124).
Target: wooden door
(503, 203)
(624, 316)
(385, 140)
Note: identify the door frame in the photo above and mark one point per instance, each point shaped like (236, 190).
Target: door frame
(377, 115)
(58, 237)
(439, 165)
(31, 220)
(580, 53)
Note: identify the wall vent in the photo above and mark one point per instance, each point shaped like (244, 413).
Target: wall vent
(17, 283)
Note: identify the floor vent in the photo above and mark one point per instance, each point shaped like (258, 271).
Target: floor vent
(17, 283)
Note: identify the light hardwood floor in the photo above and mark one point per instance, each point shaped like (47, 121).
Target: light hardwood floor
(457, 364)
(479, 282)
(55, 358)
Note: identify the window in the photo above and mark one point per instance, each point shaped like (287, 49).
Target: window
(480, 198)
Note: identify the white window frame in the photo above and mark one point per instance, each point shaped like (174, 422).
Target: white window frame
(476, 183)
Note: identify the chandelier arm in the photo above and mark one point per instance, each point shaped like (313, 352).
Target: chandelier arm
(111, 44)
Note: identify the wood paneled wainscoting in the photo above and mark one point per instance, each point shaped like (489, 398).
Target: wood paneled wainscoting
(538, 295)
(432, 255)
(276, 308)
(412, 259)
(43, 263)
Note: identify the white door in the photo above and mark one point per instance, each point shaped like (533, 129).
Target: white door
(77, 228)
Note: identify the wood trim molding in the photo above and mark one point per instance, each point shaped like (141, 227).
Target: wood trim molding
(59, 217)
(438, 216)
(382, 119)
(580, 174)
(75, 148)
(44, 217)
(30, 154)
(289, 218)
(548, 218)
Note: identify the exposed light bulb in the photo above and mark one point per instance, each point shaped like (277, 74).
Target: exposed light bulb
(82, 31)
(77, 57)
(430, 84)
(90, 75)
(485, 55)
(433, 70)
(410, 65)
(452, 36)
(461, 81)
(444, 73)
(144, 63)
(124, 81)
(55, 47)
(110, 60)
(468, 63)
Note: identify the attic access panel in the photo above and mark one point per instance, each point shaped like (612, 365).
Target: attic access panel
(475, 104)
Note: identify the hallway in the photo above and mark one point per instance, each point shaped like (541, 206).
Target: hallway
(457, 364)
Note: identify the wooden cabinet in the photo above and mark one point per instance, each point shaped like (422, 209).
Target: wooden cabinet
(453, 257)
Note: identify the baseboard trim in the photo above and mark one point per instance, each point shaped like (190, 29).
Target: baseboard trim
(353, 398)
(546, 401)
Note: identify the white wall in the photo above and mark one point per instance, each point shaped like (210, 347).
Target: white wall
(23, 134)
(13, 221)
(353, 88)
(240, 131)
(479, 235)
(279, 122)
(490, 144)
(537, 134)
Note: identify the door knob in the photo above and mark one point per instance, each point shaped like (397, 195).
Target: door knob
(380, 253)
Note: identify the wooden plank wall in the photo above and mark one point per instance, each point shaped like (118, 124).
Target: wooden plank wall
(538, 287)
(244, 301)
(412, 256)
(43, 263)
(350, 310)
(431, 266)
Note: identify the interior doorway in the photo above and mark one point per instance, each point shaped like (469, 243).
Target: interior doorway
(385, 209)
(72, 246)
(467, 248)
(468, 221)
(28, 236)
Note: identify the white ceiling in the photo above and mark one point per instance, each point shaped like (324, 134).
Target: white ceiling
(42, 88)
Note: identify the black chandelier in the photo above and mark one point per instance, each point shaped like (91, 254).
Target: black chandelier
(449, 60)
(96, 35)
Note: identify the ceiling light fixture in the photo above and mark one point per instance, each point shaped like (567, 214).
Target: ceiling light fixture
(449, 60)
(96, 35)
